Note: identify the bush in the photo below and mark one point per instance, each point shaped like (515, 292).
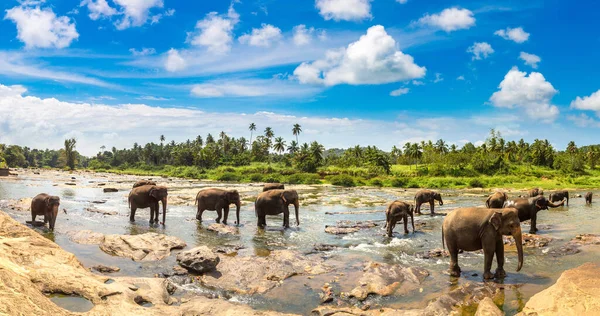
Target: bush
(342, 180)
(399, 182)
(413, 184)
(272, 178)
(228, 176)
(476, 183)
(256, 177)
(376, 182)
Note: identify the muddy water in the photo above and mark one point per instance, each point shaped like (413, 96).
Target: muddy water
(320, 206)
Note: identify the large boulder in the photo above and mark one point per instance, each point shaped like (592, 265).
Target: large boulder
(200, 259)
(386, 279)
(85, 237)
(144, 247)
(487, 307)
(222, 229)
(574, 293)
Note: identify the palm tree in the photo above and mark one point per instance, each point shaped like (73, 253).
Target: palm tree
(441, 147)
(571, 147)
(296, 130)
(162, 139)
(293, 147)
(279, 145)
(269, 133)
(252, 128)
(316, 150)
(70, 152)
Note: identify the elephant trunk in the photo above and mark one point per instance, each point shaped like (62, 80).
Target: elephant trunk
(412, 221)
(237, 212)
(441, 202)
(519, 243)
(164, 203)
(552, 204)
(296, 207)
(53, 215)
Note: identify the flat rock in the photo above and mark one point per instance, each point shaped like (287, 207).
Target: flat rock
(85, 237)
(529, 240)
(200, 259)
(586, 239)
(574, 293)
(95, 210)
(144, 247)
(433, 253)
(487, 307)
(340, 231)
(348, 227)
(385, 279)
(22, 205)
(223, 229)
(109, 190)
(105, 269)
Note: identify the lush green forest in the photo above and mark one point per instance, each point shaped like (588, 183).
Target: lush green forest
(266, 157)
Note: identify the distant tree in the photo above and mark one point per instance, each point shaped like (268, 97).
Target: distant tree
(279, 145)
(252, 128)
(70, 154)
(162, 139)
(293, 147)
(296, 130)
(269, 133)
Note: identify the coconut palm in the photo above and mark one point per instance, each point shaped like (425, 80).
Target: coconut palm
(297, 130)
(293, 147)
(279, 145)
(252, 128)
(269, 133)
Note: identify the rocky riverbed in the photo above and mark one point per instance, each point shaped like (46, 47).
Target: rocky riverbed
(338, 262)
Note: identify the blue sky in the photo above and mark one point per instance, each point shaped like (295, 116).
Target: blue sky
(380, 72)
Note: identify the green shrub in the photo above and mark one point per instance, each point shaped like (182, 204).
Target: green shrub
(376, 182)
(413, 184)
(476, 183)
(342, 180)
(228, 176)
(272, 178)
(399, 182)
(255, 177)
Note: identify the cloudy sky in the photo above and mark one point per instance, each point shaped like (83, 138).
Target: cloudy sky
(369, 72)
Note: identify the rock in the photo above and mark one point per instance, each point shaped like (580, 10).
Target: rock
(385, 279)
(144, 247)
(179, 270)
(327, 295)
(529, 240)
(324, 247)
(99, 202)
(340, 231)
(487, 307)
(353, 212)
(105, 269)
(200, 259)
(95, 210)
(228, 250)
(223, 229)
(72, 178)
(574, 293)
(108, 190)
(85, 237)
(575, 245)
(433, 253)
(356, 224)
(586, 239)
(23, 204)
(70, 183)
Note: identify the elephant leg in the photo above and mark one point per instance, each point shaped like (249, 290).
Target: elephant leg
(418, 208)
(152, 210)
(132, 214)
(390, 228)
(33, 215)
(286, 217)
(225, 214)
(488, 257)
(219, 214)
(405, 219)
(262, 221)
(156, 211)
(199, 212)
(500, 273)
(432, 206)
(533, 229)
(454, 268)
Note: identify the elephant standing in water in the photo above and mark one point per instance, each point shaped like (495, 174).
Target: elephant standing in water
(46, 205)
(148, 196)
(273, 186)
(427, 196)
(528, 209)
(398, 211)
(218, 200)
(535, 192)
(274, 202)
(472, 229)
(143, 182)
(559, 196)
(496, 200)
(588, 198)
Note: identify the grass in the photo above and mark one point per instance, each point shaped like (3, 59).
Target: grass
(521, 177)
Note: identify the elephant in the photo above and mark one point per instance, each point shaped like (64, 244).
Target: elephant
(399, 211)
(425, 196)
(496, 200)
(528, 208)
(474, 228)
(148, 196)
(559, 196)
(535, 192)
(143, 182)
(273, 186)
(588, 198)
(46, 205)
(218, 200)
(275, 202)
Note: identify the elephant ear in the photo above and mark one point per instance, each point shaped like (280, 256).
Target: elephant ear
(150, 193)
(283, 197)
(496, 220)
(541, 204)
(47, 200)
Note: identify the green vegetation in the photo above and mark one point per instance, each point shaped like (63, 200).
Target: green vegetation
(495, 163)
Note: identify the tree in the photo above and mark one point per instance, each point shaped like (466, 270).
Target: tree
(293, 147)
(296, 130)
(70, 154)
(252, 128)
(279, 145)
(316, 151)
(269, 133)
(162, 139)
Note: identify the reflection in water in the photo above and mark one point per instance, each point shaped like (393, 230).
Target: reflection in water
(71, 303)
(67, 193)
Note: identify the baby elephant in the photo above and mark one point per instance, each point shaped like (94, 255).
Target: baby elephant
(559, 196)
(143, 182)
(588, 198)
(399, 211)
(218, 200)
(46, 205)
(273, 186)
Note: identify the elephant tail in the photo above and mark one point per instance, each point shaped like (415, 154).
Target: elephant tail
(443, 243)
(196, 200)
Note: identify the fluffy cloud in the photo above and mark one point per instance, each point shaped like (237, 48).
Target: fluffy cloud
(399, 92)
(460, 78)
(449, 20)
(402, 1)
(12, 91)
(303, 35)
(480, 50)
(143, 52)
(530, 59)
(276, 87)
(347, 10)
(131, 13)
(530, 92)
(215, 31)
(590, 103)
(517, 35)
(98, 9)
(582, 120)
(41, 28)
(174, 62)
(438, 78)
(263, 37)
(373, 59)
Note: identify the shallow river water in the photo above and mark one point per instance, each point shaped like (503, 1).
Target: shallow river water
(300, 294)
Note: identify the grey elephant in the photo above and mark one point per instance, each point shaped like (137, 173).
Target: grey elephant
(496, 200)
(529, 207)
(274, 202)
(559, 196)
(427, 196)
(218, 200)
(472, 229)
(46, 205)
(399, 211)
(148, 196)
(588, 198)
(143, 182)
(273, 186)
(535, 192)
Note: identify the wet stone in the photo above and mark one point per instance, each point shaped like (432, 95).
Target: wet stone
(95, 210)
(144, 247)
(386, 279)
(105, 269)
(109, 190)
(529, 240)
(433, 253)
(85, 237)
(200, 259)
(223, 229)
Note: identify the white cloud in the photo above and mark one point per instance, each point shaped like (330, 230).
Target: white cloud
(418, 83)
(460, 78)
(12, 91)
(399, 92)
(530, 92)
(517, 35)
(373, 59)
(275, 87)
(438, 78)
(451, 19)
(582, 120)
(153, 98)
(590, 103)
(215, 32)
(347, 10)
(41, 28)
(303, 35)
(480, 50)
(174, 62)
(263, 37)
(530, 59)
(143, 52)
(98, 9)
(135, 12)
(402, 1)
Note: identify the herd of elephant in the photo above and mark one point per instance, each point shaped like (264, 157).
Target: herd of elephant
(464, 229)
